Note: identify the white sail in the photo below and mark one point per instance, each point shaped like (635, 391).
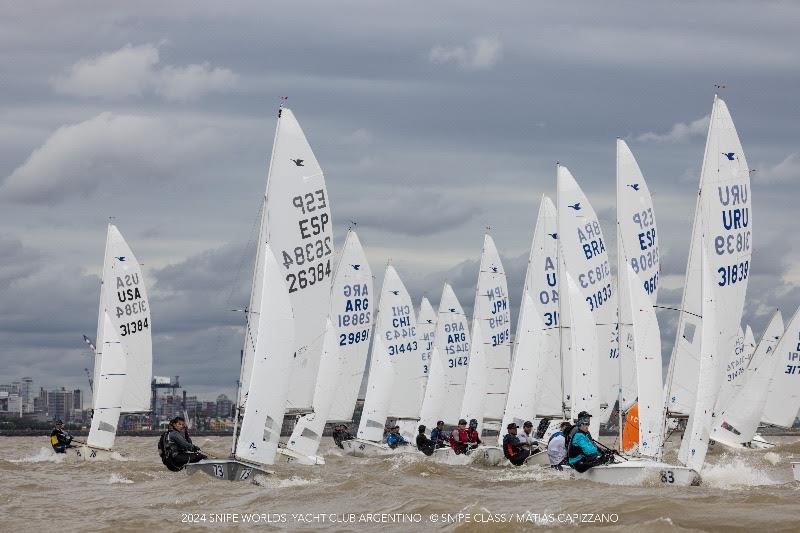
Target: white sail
(393, 330)
(307, 433)
(586, 258)
(352, 309)
(549, 389)
(426, 332)
(296, 222)
(272, 368)
(732, 378)
(583, 345)
(727, 249)
(493, 312)
(647, 347)
(101, 318)
(736, 425)
(783, 400)
(399, 335)
(637, 246)
(452, 345)
(108, 389)
(525, 381)
(477, 384)
(435, 391)
(378, 395)
(749, 343)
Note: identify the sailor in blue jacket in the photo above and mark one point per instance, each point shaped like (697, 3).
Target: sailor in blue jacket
(438, 435)
(583, 454)
(394, 438)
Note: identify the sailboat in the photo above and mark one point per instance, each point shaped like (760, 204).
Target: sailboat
(783, 398)
(736, 423)
(540, 377)
(725, 206)
(344, 355)
(124, 353)
(585, 257)
(286, 318)
(394, 343)
(256, 443)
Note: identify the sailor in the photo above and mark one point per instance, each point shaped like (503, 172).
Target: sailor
(512, 448)
(438, 435)
(175, 446)
(582, 452)
(424, 444)
(60, 439)
(574, 429)
(459, 438)
(340, 434)
(394, 438)
(556, 446)
(474, 434)
(527, 439)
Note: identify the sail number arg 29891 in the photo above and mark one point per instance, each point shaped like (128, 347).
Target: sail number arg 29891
(353, 338)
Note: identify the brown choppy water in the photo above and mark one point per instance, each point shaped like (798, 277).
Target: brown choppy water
(742, 491)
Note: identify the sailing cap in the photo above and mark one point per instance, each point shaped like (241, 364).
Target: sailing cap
(439, 422)
(421, 428)
(473, 423)
(584, 414)
(462, 422)
(527, 424)
(512, 425)
(178, 418)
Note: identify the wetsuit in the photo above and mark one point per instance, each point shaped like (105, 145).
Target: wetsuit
(583, 454)
(177, 450)
(394, 440)
(514, 451)
(425, 445)
(340, 435)
(60, 440)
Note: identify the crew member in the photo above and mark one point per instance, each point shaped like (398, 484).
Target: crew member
(175, 446)
(394, 438)
(582, 452)
(512, 448)
(340, 434)
(424, 444)
(459, 438)
(556, 446)
(474, 435)
(60, 439)
(438, 435)
(527, 439)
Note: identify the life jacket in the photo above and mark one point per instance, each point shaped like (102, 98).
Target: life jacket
(460, 445)
(165, 451)
(473, 436)
(511, 446)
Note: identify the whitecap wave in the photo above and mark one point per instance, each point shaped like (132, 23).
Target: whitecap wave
(116, 478)
(45, 455)
(733, 472)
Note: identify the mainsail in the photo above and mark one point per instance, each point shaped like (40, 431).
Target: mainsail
(426, 332)
(585, 255)
(296, 222)
(783, 400)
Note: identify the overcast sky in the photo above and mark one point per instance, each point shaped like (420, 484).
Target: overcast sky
(431, 121)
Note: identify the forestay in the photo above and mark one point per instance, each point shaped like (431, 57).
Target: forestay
(296, 222)
(736, 425)
(586, 258)
(492, 311)
(638, 247)
(351, 312)
(783, 400)
(727, 248)
(271, 370)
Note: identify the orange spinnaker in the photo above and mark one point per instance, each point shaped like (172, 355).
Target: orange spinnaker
(630, 435)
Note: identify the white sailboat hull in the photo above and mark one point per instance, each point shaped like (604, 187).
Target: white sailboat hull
(641, 473)
(79, 454)
(367, 448)
(226, 469)
(541, 458)
(288, 456)
(482, 455)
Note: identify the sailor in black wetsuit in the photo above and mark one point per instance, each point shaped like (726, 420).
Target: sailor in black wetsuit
(60, 439)
(175, 446)
(340, 434)
(424, 444)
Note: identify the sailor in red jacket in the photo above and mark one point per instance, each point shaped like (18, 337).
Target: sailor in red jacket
(474, 434)
(459, 438)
